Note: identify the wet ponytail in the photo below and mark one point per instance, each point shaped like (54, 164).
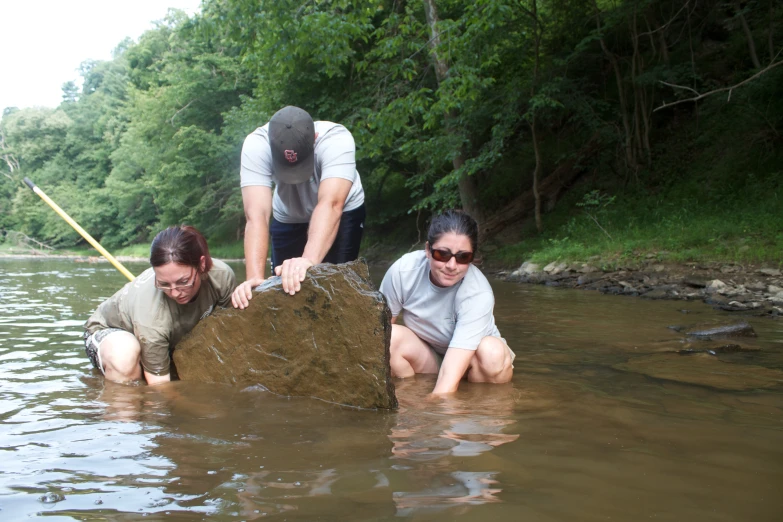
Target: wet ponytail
(183, 245)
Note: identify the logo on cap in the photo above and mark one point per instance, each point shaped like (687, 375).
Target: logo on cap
(290, 155)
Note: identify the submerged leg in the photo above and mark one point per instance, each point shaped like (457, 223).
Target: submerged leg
(410, 355)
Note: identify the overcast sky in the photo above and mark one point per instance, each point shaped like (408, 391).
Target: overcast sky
(42, 42)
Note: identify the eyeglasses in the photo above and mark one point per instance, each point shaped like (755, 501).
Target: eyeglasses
(444, 256)
(169, 288)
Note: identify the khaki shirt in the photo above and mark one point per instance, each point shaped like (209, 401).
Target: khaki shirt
(157, 321)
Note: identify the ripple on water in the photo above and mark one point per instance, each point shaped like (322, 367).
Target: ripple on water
(570, 436)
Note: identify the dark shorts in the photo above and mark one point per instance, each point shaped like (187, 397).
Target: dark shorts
(289, 239)
(92, 345)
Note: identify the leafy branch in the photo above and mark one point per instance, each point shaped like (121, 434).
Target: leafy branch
(699, 95)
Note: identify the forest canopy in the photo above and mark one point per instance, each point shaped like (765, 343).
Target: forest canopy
(495, 106)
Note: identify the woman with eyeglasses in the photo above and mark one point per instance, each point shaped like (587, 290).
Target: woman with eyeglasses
(132, 333)
(447, 307)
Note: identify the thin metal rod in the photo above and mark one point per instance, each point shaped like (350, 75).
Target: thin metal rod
(79, 229)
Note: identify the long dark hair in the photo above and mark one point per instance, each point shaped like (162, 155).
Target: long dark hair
(181, 244)
(455, 221)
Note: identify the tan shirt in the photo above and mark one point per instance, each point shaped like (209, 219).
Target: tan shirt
(158, 321)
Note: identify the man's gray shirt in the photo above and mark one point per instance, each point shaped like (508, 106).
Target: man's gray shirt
(335, 157)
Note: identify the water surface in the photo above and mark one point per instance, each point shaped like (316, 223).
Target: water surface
(569, 439)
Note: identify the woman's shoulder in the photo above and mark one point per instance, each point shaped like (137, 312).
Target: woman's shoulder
(411, 261)
(217, 264)
(475, 281)
(221, 274)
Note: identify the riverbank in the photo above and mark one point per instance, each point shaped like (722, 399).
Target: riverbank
(749, 288)
(755, 289)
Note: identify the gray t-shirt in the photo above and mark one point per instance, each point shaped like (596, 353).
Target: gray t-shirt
(458, 316)
(335, 157)
(157, 321)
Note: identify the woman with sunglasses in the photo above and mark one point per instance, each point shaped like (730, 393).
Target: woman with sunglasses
(447, 306)
(132, 333)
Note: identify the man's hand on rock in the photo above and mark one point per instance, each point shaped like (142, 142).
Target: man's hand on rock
(244, 293)
(292, 272)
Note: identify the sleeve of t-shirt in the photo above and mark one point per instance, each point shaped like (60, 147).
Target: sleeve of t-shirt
(256, 165)
(391, 287)
(336, 153)
(155, 357)
(474, 321)
(226, 287)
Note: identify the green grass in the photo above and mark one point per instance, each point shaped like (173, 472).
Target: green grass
(712, 194)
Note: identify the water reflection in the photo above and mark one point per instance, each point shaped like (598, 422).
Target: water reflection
(441, 431)
(259, 454)
(571, 438)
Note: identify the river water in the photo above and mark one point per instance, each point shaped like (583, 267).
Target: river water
(570, 438)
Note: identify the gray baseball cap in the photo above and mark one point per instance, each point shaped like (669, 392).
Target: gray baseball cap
(292, 139)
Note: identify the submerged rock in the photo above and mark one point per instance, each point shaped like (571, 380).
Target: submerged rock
(685, 346)
(703, 370)
(329, 341)
(51, 498)
(741, 329)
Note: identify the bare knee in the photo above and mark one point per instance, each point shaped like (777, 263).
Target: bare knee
(400, 367)
(121, 357)
(493, 361)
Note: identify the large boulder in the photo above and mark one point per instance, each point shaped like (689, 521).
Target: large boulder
(329, 341)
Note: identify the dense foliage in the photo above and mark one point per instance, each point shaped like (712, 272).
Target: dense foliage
(496, 106)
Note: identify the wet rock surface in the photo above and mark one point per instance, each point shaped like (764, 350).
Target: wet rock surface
(51, 498)
(704, 370)
(730, 287)
(716, 331)
(329, 341)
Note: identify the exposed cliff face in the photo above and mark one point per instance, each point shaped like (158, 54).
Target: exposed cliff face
(329, 341)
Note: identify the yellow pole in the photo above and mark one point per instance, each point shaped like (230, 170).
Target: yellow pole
(79, 229)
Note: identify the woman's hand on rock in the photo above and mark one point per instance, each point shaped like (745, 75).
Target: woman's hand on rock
(244, 293)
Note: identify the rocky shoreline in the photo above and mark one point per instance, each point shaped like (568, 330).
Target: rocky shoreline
(755, 290)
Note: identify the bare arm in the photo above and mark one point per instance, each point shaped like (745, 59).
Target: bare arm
(257, 201)
(324, 224)
(258, 210)
(153, 379)
(325, 220)
(455, 363)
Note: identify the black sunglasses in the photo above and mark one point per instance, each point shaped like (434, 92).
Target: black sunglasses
(444, 256)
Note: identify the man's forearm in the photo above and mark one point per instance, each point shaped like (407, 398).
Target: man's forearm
(256, 249)
(324, 224)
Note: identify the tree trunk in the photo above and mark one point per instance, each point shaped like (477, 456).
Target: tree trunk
(641, 123)
(630, 158)
(8, 157)
(550, 189)
(771, 30)
(533, 86)
(748, 35)
(468, 191)
(536, 176)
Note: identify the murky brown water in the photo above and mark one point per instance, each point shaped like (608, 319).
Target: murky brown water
(569, 439)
